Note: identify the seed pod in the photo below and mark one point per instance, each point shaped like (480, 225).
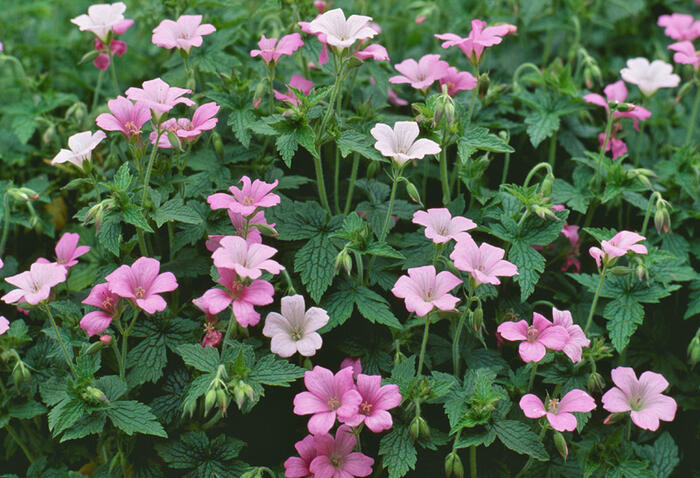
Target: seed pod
(453, 466)
(414, 428)
(209, 400)
(560, 443)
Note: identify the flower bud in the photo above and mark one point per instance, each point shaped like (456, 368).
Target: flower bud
(222, 400)
(414, 428)
(218, 145)
(642, 272)
(694, 351)
(254, 473)
(106, 339)
(343, 260)
(444, 108)
(544, 212)
(453, 466)
(595, 382)
(546, 186)
(189, 408)
(478, 318)
(20, 373)
(93, 394)
(620, 271)
(560, 443)
(94, 347)
(613, 418)
(413, 193)
(209, 400)
(483, 84)
(372, 169)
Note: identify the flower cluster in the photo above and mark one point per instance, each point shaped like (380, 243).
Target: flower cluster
(106, 22)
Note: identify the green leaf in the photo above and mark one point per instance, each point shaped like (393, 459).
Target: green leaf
(27, 410)
(624, 315)
(398, 452)
(87, 425)
(134, 215)
(132, 417)
(109, 234)
(663, 455)
(175, 210)
(541, 125)
(315, 262)
(479, 138)
(530, 265)
(520, 438)
(306, 137)
(352, 141)
(65, 414)
(194, 451)
(203, 359)
(122, 178)
(375, 308)
(240, 121)
(287, 145)
(563, 192)
(270, 370)
(383, 249)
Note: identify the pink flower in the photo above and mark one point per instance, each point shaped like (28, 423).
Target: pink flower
(189, 130)
(321, 37)
(485, 262)
(96, 322)
(642, 397)
(571, 233)
(423, 290)
(101, 61)
(680, 27)
(618, 92)
(247, 199)
(618, 147)
(336, 458)
(320, 5)
(355, 363)
(212, 337)
(536, 338)
(271, 50)
(100, 19)
(168, 126)
(159, 96)
(457, 81)
(619, 245)
(394, 99)
(4, 323)
(80, 148)
(479, 38)
(294, 330)
(558, 412)
(122, 27)
(685, 53)
(126, 117)
(245, 228)
(243, 297)
(340, 32)
(376, 400)
(297, 82)
(248, 260)
(420, 74)
(375, 52)
(183, 34)
(35, 284)
(649, 77)
(142, 282)
(298, 466)
(440, 226)
(576, 340)
(117, 47)
(68, 250)
(328, 396)
(400, 143)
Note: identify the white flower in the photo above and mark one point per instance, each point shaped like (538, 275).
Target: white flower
(101, 18)
(81, 146)
(341, 32)
(295, 329)
(400, 143)
(649, 77)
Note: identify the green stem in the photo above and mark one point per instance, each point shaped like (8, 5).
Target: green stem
(456, 356)
(15, 436)
(595, 300)
(423, 345)
(334, 94)
(638, 146)
(270, 81)
(142, 242)
(444, 179)
(6, 222)
(125, 347)
(353, 178)
(532, 376)
(553, 149)
(628, 429)
(472, 461)
(694, 113)
(395, 181)
(475, 91)
(149, 167)
(96, 93)
(229, 330)
(654, 195)
(117, 355)
(537, 167)
(506, 165)
(113, 73)
(60, 339)
(608, 131)
(336, 180)
(288, 279)
(321, 183)
(360, 267)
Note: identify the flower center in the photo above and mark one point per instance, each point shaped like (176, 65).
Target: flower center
(131, 128)
(532, 333)
(108, 304)
(35, 287)
(140, 293)
(333, 403)
(236, 290)
(636, 403)
(297, 333)
(428, 295)
(553, 405)
(248, 201)
(336, 461)
(365, 408)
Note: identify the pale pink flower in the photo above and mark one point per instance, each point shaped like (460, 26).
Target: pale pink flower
(338, 31)
(295, 329)
(34, 285)
(422, 290)
(394, 99)
(375, 52)
(685, 54)
(336, 456)
(68, 250)
(576, 340)
(420, 19)
(4, 323)
(96, 322)
(642, 397)
(142, 283)
(376, 400)
(328, 396)
(248, 260)
(571, 233)
(106, 339)
(680, 27)
(159, 96)
(183, 34)
(101, 18)
(457, 81)
(271, 50)
(649, 77)
(321, 37)
(618, 92)
(168, 126)
(558, 412)
(297, 82)
(619, 245)
(422, 73)
(243, 297)
(536, 338)
(80, 148)
(485, 262)
(250, 233)
(122, 27)
(440, 226)
(479, 38)
(400, 143)
(248, 199)
(126, 117)
(355, 363)
(298, 466)
(202, 120)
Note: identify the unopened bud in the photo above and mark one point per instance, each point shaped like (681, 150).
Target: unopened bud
(189, 408)
(414, 428)
(642, 272)
(478, 318)
(209, 400)
(620, 270)
(483, 84)
(372, 169)
(694, 351)
(218, 145)
(613, 418)
(222, 400)
(453, 466)
(560, 443)
(413, 193)
(94, 347)
(93, 394)
(344, 261)
(544, 212)
(546, 186)
(106, 339)
(595, 382)
(266, 230)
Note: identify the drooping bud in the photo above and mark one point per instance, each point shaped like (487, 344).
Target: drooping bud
(478, 318)
(218, 144)
(106, 339)
(546, 186)
(414, 428)
(483, 84)
(94, 394)
(222, 400)
(694, 350)
(595, 382)
(344, 261)
(560, 443)
(453, 466)
(209, 400)
(413, 193)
